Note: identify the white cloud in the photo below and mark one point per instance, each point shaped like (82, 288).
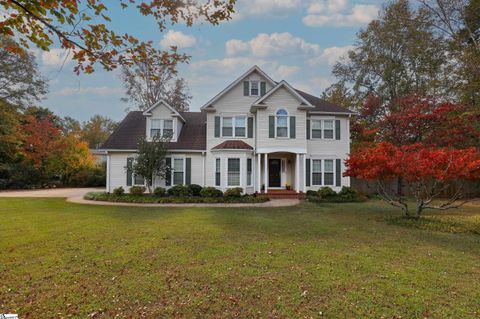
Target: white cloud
(178, 39)
(330, 55)
(247, 8)
(285, 71)
(271, 45)
(329, 6)
(56, 57)
(360, 14)
(102, 90)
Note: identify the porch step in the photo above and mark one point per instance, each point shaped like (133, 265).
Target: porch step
(282, 194)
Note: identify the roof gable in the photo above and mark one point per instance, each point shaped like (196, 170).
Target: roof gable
(283, 84)
(253, 69)
(148, 112)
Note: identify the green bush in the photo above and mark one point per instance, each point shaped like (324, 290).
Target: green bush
(119, 191)
(326, 192)
(87, 177)
(137, 190)
(233, 192)
(179, 191)
(159, 191)
(348, 193)
(211, 192)
(311, 193)
(195, 189)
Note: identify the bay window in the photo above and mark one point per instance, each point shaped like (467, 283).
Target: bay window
(233, 178)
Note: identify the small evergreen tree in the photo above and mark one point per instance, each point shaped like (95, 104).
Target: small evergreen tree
(150, 161)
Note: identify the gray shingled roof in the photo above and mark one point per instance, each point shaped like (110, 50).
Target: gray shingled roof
(133, 127)
(322, 105)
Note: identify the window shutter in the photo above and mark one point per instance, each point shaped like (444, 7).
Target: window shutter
(337, 129)
(271, 126)
(188, 171)
(250, 127)
(263, 88)
(307, 169)
(246, 88)
(338, 172)
(308, 129)
(168, 178)
(129, 171)
(292, 127)
(217, 126)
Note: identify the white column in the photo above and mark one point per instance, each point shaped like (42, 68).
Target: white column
(304, 185)
(265, 171)
(297, 172)
(259, 173)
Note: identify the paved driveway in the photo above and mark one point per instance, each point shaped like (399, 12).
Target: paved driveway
(54, 192)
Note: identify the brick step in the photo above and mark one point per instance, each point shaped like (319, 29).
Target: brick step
(282, 194)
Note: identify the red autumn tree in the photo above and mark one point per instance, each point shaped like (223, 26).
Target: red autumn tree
(426, 171)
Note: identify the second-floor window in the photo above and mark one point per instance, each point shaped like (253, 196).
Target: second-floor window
(234, 126)
(281, 119)
(254, 90)
(323, 129)
(161, 128)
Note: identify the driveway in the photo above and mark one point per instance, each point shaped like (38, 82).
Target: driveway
(53, 192)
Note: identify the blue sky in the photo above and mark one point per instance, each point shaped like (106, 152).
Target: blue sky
(294, 40)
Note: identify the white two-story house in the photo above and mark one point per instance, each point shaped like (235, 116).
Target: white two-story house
(257, 134)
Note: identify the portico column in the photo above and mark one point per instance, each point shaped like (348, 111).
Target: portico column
(304, 183)
(297, 173)
(265, 171)
(259, 173)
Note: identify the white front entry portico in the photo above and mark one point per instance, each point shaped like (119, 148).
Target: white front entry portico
(280, 169)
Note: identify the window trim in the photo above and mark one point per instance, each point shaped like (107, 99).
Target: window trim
(322, 129)
(172, 169)
(162, 127)
(312, 172)
(276, 123)
(234, 127)
(333, 129)
(250, 87)
(323, 172)
(311, 129)
(240, 172)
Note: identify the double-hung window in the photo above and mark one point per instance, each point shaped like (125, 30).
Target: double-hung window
(233, 178)
(178, 171)
(316, 129)
(328, 174)
(240, 126)
(227, 126)
(328, 129)
(281, 118)
(218, 174)
(254, 88)
(161, 128)
(316, 172)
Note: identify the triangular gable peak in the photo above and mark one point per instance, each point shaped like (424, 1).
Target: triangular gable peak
(303, 103)
(209, 106)
(148, 112)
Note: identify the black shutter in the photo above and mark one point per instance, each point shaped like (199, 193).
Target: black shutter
(271, 126)
(188, 171)
(246, 88)
(250, 127)
(263, 88)
(307, 172)
(129, 171)
(337, 129)
(338, 172)
(217, 126)
(168, 178)
(292, 127)
(308, 129)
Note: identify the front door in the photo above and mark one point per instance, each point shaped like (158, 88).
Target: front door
(274, 171)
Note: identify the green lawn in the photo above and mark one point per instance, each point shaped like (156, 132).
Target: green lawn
(61, 260)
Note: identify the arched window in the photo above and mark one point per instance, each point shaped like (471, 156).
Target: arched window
(282, 123)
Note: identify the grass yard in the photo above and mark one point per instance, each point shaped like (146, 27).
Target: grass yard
(61, 260)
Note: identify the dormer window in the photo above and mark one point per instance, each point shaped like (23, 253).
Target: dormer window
(161, 128)
(254, 88)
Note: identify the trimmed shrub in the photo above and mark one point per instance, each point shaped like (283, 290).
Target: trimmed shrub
(137, 190)
(179, 191)
(326, 192)
(160, 191)
(211, 192)
(311, 193)
(119, 191)
(195, 189)
(348, 193)
(233, 192)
